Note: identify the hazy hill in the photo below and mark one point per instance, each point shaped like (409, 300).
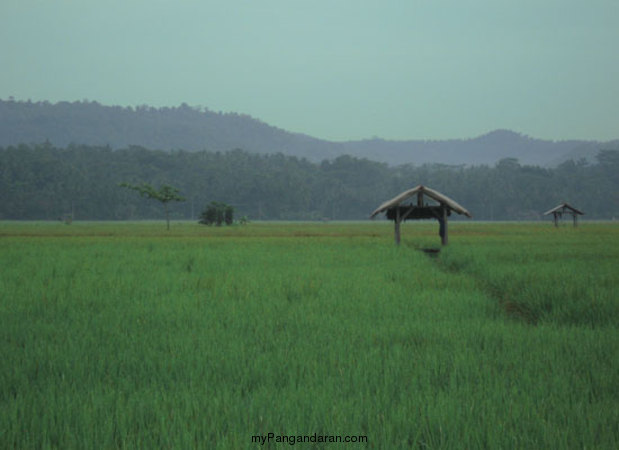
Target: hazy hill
(486, 149)
(188, 128)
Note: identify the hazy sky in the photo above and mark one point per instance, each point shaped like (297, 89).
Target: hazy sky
(333, 69)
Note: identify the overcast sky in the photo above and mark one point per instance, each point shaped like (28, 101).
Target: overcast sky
(333, 69)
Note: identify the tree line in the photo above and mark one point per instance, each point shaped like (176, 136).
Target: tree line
(44, 182)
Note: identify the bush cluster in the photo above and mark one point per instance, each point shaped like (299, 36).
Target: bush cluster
(217, 213)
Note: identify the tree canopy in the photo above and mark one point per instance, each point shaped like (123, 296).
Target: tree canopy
(164, 195)
(45, 182)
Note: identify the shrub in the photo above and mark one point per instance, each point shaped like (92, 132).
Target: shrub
(217, 213)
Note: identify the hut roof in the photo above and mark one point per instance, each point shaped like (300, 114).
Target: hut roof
(563, 207)
(396, 201)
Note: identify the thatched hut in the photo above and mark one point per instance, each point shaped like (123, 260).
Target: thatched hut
(399, 209)
(562, 209)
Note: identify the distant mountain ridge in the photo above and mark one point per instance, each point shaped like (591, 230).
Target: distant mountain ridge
(486, 149)
(194, 129)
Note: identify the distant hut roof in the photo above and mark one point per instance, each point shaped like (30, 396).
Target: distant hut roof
(396, 201)
(562, 207)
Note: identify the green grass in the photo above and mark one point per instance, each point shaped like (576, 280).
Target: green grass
(126, 336)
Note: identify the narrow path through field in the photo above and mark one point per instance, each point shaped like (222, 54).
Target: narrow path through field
(514, 308)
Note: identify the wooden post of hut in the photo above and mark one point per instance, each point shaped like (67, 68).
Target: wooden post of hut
(398, 211)
(564, 208)
(397, 227)
(443, 224)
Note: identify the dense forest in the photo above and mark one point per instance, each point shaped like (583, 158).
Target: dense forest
(44, 182)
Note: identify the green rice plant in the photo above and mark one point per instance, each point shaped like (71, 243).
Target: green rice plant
(125, 336)
(563, 276)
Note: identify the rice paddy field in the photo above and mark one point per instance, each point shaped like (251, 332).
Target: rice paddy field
(323, 335)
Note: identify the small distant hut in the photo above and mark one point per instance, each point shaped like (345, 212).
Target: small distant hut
(400, 208)
(562, 209)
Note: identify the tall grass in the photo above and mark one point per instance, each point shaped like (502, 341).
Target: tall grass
(120, 337)
(566, 276)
